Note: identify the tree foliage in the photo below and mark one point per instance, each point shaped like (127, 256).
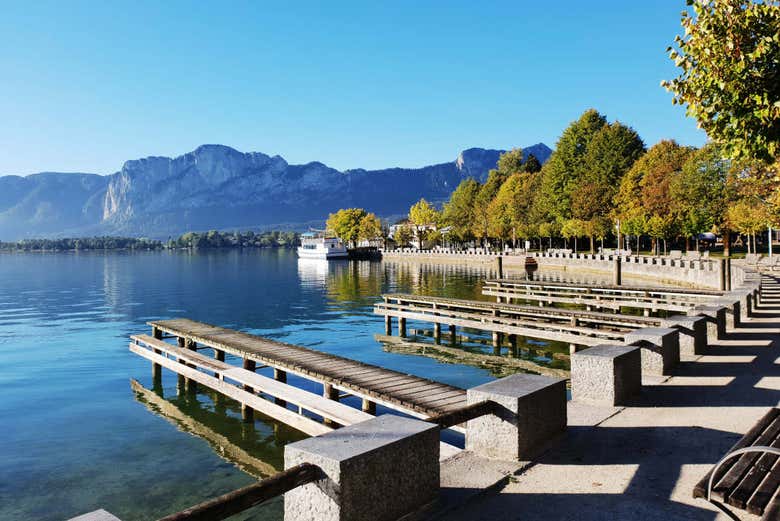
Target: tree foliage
(345, 224)
(458, 212)
(729, 76)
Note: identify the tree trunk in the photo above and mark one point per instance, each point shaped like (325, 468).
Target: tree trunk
(653, 245)
(687, 243)
(592, 244)
(575, 245)
(726, 243)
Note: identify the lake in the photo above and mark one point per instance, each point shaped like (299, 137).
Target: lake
(77, 434)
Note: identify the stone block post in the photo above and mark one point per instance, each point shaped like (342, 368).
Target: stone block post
(381, 469)
(733, 309)
(660, 349)
(716, 320)
(692, 330)
(533, 410)
(606, 374)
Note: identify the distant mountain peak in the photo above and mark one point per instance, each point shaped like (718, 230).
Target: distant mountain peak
(217, 186)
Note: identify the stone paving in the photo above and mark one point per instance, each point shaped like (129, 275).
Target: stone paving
(642, 461)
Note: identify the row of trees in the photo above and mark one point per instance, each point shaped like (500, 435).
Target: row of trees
(354, 224)
(248, 239)
(601, 182)
(82, 244)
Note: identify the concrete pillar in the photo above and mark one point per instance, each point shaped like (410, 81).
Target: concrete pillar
(368, 406)
(606, 375)
(716, 320)
(402, 327)
(247, 413)
(280, 376)
(660, 348)
(733, 309)
(618, 271)
(533, 411)
(388, 325)
(385, 468)
(692, 330)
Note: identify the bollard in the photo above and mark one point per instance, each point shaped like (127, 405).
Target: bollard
(381, 469)
(606, 374)
(533, 410)
(618, 271)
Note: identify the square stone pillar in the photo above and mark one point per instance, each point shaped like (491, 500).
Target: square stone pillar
(731, 302)
(693, 332)
(716, 320)
(380, 469)
(533, 411)
(660, 348)
(606, 375)
(745, 297)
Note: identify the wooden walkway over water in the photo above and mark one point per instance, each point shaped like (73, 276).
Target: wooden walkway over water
(598, 296)
(374, 385)
(575, 327)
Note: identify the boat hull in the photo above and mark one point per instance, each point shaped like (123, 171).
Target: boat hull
(322, 255)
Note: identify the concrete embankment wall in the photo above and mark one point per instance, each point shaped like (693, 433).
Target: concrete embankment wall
(704, 273)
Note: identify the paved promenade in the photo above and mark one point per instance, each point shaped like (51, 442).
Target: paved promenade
(642, 461)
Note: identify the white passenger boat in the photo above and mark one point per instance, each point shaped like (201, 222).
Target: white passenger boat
(320, 247)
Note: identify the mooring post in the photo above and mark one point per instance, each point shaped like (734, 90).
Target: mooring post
(722, 284)
(513, 346)
(388, 325)
(368, 406)
(247, 413)
(280, 376)
(402, 327)
(331, 393)
(618, 271)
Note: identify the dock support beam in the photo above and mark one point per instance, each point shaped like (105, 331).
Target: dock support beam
(280, 376)
(496, 343)
(247, 413)
(368, 406)
(513, 346)
(219, 355)
(388, 325)
(437, 332)
(453, 335)
(331, 393)
(402, 327)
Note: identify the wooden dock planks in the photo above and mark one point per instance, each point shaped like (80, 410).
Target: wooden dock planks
(382, 385)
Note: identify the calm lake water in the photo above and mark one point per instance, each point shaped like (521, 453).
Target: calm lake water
(76, 433)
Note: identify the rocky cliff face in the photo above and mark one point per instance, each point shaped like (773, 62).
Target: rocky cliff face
(216, 186)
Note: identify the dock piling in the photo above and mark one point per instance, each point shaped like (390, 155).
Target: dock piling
(402, 327)
(247, 413)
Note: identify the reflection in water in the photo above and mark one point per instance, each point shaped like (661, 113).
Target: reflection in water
(64, 323)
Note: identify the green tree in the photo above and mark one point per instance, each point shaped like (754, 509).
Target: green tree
(345, 224)
(729, 80)
(699, 192)
(458, 212)
(573, 228)
(481, 209)
(423, 216)
(749, 216)
(532, 164)
(403, 235)
(370, 227)
(565, 167)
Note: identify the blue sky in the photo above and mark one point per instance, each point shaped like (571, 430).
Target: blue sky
(85, 86)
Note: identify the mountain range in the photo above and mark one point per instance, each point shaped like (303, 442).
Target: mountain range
(218, 187)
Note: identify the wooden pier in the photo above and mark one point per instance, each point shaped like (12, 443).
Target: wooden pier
(593, 296)
(577, 328)
(410, 394)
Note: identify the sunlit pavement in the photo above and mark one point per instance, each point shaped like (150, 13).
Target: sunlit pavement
(643, 461)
